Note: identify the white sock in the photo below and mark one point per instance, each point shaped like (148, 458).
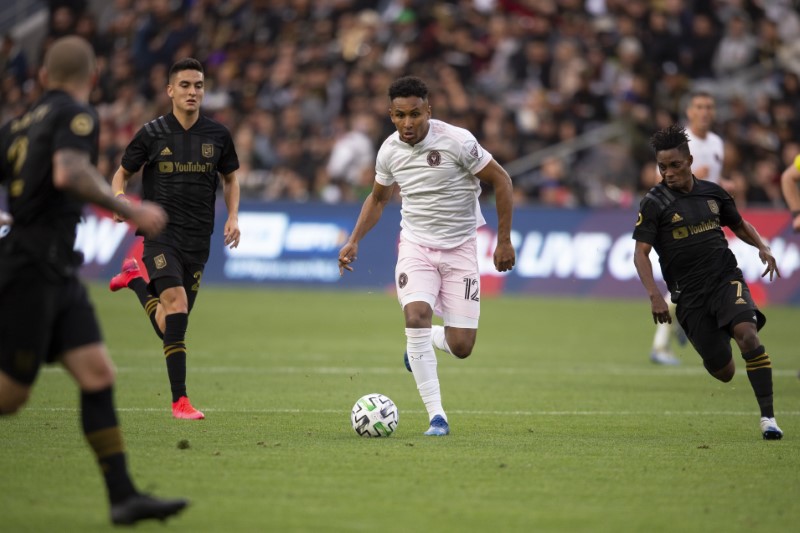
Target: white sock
(422, 360)
(661, 338)
(664, 331)
(440, 339)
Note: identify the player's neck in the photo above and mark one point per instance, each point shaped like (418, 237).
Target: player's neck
(700, 133)
(79, 92)
(187, 120)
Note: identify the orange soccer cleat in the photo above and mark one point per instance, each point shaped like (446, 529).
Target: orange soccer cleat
(183, 409)
(130, 271)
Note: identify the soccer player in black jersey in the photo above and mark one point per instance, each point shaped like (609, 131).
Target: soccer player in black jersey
(47, 165)
(682, 218)
(183, 154)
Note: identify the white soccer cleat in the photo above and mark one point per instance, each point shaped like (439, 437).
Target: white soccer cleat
(661, 357)
(770, 429)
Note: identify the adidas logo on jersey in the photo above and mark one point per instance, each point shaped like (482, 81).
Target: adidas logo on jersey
(740, 301)
(677, 218)
(166, 151)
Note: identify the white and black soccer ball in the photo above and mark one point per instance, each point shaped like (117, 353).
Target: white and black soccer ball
(374, 415)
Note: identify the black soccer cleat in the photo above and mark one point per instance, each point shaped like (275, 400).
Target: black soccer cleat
(143, 507)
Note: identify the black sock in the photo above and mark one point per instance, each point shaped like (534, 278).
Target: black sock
(175, 352)
(759, 372)
(148, 301)
(99, 421)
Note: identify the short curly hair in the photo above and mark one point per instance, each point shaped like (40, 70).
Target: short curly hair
(670, 138)
(408, 86)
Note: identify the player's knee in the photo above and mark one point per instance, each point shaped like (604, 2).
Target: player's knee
(723, 373)
(748, 340)
(417, 321)
(12, 401)
(461, 349)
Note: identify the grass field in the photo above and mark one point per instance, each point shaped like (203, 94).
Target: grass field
(559, 423)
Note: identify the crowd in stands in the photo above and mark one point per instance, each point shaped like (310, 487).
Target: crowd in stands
(302, 85)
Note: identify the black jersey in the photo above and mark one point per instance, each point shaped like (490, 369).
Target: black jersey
(45, 218)
(181, 173)
(685, 229)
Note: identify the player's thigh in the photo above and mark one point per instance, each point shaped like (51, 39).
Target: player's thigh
(733, 303)
(194, 265)
(417, 277)
(164, 266)
(711, 342)
(27, 314)
(90, 365)
(460, 294)
(75, 324)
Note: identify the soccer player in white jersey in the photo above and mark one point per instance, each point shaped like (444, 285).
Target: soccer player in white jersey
(707, 150)
(438, 169)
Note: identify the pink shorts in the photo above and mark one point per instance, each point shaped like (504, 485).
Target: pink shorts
(447, 280)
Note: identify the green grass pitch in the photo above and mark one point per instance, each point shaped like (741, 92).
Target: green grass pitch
(559, 423)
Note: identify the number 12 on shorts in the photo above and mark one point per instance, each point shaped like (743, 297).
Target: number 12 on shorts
(472, 289)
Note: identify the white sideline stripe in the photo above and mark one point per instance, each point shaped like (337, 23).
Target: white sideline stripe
(450, 411)
(339, 370)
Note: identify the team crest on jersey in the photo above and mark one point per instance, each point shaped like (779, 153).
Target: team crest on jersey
(712, 204)
(82, 124)
(402, 280)
(160, 261)
(434, 158)
(207, 150)
(474, 149)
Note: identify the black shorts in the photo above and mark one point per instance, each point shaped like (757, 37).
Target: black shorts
(710, 328)
(39, 321)
(169, 267)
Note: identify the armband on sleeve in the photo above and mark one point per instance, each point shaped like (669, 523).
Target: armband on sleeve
(797, 162)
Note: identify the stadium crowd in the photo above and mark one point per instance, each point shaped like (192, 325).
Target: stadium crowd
(302, 84)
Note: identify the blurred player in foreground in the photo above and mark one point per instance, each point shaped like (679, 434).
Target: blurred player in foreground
(45, 312)
(183, 153)
(438, 169)
(682, 218)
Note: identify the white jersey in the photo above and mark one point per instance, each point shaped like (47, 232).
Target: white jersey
(437, 183)
(707, 152)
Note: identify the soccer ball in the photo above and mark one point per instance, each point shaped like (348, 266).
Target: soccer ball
(374, 415)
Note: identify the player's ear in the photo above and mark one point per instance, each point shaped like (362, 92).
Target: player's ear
(43, 77)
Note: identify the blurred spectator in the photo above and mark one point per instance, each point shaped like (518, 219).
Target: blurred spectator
(352, 161)
(12, 60)
(737, 48)
(287, 78)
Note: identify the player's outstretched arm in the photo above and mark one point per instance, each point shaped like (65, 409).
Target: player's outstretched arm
(497, 177)
(371, 212)
(74, 172)
(747, 233)
(644, 267)
(791, 194)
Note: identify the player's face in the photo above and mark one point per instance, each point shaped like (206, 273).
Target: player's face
(701, 113)
(410, 115)
(675, 169)
(186, 90)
